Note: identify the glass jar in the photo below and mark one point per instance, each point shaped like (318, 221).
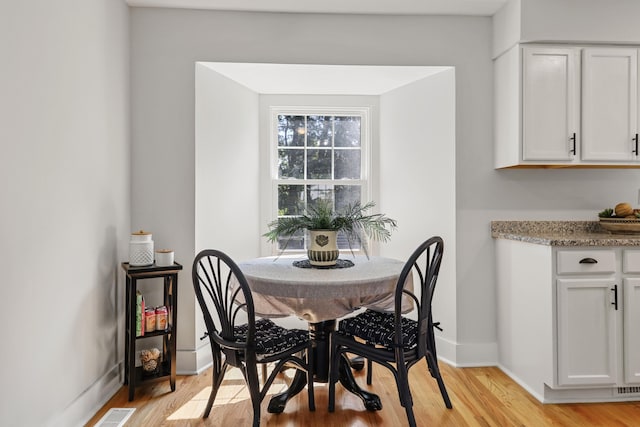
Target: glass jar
(161, 318)
(150, 319)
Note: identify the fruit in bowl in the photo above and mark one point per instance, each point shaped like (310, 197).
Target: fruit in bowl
(623, 219)
(621, 210)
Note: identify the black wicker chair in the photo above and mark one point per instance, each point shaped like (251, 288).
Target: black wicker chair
(237, 338)
(391, 339)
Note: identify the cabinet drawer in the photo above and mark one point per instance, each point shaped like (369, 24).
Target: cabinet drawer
(631, 261)
(587, 262)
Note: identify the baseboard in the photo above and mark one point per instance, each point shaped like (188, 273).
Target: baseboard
(468, 354)
(85, 406)
(522, 384)
(193, 362)
(548, 395)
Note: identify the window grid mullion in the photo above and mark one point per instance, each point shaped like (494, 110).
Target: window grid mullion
(306, 158)
(333, 151)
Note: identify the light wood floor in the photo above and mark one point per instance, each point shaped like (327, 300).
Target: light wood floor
(480, 397)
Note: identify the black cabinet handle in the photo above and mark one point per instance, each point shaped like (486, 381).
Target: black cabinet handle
(615, 296)
(588, 261)
(573, 145)
(635, 142)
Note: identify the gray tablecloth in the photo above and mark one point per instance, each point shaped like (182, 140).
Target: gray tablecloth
(281, 289)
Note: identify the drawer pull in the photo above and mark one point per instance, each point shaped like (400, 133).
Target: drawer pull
(588, 261)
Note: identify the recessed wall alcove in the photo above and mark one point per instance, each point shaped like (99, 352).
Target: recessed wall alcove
(412, 154)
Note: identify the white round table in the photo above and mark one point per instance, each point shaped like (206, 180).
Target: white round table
(317, 294)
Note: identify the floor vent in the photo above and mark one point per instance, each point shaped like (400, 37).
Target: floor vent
(115, 417)
(628, 390)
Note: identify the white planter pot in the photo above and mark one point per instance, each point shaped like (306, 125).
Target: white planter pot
(323, 247)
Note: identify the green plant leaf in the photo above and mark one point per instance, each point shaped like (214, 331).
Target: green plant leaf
(353, 221)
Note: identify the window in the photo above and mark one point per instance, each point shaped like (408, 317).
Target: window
(318, 155)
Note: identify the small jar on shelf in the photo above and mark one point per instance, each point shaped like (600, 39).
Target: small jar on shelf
(161, 318)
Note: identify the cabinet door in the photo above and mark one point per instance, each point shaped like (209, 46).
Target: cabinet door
(586, 326)
(609, 104)
(550, 103)
(632, 330)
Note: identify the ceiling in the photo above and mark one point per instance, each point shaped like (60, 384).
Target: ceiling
(321, 79)
(387, 7)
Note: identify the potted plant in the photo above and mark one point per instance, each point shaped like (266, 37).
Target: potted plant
(323, 224)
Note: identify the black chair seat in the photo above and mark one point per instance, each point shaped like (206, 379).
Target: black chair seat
(271, 338)
(379, 328)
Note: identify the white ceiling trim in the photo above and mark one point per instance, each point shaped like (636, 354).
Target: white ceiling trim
(386, 7)
(303, 79)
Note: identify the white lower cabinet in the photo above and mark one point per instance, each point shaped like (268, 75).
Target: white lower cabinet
(587, 317)
(597, 319)
(632, 330)
(589, 348)
(586, 326)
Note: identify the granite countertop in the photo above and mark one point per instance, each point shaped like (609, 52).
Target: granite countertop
(561, 233)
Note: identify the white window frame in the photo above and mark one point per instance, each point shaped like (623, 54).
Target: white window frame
(365, 160)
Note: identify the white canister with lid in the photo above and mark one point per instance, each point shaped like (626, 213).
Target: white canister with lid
(141, 249)
(164, 257)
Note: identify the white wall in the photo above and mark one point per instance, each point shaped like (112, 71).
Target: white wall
(571, 21)
(227, 165)
(506, 27)
(64, 223)
(226, 185)
(613, 21)
(417, 178)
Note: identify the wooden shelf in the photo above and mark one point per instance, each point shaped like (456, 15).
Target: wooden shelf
(134, 375)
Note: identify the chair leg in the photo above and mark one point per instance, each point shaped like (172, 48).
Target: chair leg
(218, 376)
(369, 371)
(410, 417)
(251, 375)
(432, 363)
(405, 393)
(403, 386)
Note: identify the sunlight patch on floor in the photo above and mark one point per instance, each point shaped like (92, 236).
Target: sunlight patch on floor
(194, 408)
(232, 390)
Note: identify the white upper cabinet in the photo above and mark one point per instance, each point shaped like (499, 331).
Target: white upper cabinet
(550, 104)
(566, 106)
(610, 104)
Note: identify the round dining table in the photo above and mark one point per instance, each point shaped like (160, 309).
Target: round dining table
(288, 285)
